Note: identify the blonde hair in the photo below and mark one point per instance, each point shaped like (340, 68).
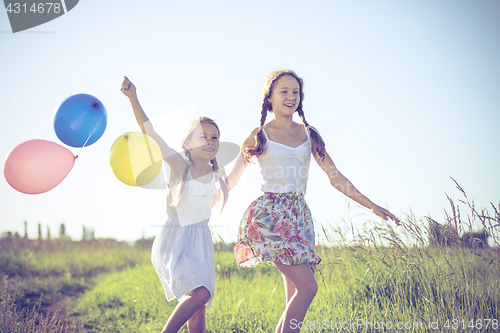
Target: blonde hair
(318, 144)
(179, 186)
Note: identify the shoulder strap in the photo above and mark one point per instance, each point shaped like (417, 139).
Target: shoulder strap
(307, 131)
(263, 130)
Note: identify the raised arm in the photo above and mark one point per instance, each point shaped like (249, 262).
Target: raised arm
(341, 183)
(241, 164)
(173, 158)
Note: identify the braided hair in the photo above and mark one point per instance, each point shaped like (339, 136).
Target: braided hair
(318, 144)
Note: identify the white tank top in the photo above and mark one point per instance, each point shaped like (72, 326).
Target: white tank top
(284, 168)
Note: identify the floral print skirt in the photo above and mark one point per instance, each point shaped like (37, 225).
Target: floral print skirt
(277, 226)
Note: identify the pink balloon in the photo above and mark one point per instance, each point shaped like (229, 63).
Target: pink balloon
(37, 166)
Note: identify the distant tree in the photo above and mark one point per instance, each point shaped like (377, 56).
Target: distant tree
(48, 233)
(62, 231)
(477, 239)
(26, 229)
(88, 234)
(144, 241)
(39, 231)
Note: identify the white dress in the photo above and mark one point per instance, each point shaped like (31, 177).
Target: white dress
(183, 251)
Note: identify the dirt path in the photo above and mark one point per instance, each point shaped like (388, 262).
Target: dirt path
(60, 306)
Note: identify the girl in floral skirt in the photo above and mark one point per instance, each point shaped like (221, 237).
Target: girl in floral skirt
(277, 228)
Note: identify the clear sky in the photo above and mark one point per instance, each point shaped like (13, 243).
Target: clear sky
(406, 94)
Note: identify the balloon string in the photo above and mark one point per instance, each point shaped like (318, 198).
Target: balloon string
(102, 116)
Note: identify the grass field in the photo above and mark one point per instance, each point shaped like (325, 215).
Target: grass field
(392, 289)
(378, 280)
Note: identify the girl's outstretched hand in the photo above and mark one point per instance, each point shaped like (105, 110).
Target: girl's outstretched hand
(385, 214)
(128, 88)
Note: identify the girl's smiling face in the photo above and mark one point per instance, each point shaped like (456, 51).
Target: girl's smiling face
(204, 141)
(285, 96)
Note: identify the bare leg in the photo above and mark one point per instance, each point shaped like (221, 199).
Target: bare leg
(186, 308)
(302, 278)
(196, 324)
(289, 292)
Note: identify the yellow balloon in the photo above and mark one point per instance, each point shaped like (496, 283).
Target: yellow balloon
(135, 158)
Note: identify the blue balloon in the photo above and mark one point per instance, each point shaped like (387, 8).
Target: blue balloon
(80, 120)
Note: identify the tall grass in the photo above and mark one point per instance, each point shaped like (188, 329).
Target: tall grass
(251, 300)
(382, 274)
(369, 277)
(398, 277)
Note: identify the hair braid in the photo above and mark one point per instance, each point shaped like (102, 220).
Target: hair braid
(318, 144)
(260, 139)
(218, 174)
(188, 155)
(301, 115)
(263, 112)
(178, 188)
(213, 163)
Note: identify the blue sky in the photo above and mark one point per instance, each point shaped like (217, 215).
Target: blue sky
(404, 93)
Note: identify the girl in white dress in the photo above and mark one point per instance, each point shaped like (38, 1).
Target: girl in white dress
(277, 228)
(183, 253)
